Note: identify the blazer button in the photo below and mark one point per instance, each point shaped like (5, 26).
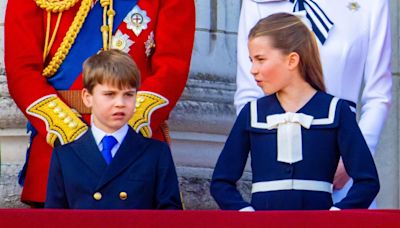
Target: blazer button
(97, 196)
(123, 195)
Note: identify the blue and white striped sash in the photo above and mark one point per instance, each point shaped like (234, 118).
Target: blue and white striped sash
(320, 22)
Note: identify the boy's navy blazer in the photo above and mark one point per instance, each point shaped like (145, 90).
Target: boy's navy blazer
(141, 175)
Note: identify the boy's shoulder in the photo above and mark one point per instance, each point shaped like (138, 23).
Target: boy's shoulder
(132, 141)
(150, 141)
(85, 140)
(149, 144)
(88, 138)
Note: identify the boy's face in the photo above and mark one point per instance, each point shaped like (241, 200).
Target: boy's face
(111, 107)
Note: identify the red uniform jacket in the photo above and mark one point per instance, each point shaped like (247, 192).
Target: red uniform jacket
(161, 46)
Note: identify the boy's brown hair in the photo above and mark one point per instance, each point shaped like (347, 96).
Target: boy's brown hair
(113, 67)
(289, 34)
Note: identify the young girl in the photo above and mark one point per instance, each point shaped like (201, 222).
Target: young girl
(296, 135)
(355, 58)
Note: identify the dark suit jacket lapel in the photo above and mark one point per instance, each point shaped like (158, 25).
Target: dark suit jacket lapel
(87, 150)
(132, 147)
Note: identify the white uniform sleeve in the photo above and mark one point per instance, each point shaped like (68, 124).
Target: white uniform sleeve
(247, 89)
(376, 96)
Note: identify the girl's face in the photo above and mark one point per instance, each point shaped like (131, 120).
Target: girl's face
(270, 67)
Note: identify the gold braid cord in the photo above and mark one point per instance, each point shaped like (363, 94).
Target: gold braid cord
(71, 34)
(146, 104)
(108, 21)
(61, 121)
(48, 44)
(56, 6)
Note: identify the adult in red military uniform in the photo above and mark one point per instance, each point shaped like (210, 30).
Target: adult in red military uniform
(46, 43)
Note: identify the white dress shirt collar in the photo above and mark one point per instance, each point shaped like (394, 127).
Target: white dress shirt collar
(119, 135)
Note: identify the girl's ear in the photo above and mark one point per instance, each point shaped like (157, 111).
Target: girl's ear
(87, 98)
(293, 60)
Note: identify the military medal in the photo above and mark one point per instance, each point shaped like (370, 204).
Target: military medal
(149, 44)
(137, 20)
(353, 6)
(121, 42)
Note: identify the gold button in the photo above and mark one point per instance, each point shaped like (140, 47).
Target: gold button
(138, 104)
(72, 125)
(62, 115)
(67, 120)
(57, 110)
(97, 196)
(52, 104)
(140, 99)
(123, 195)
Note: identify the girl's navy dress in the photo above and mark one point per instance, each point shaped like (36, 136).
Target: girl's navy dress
(305, 184)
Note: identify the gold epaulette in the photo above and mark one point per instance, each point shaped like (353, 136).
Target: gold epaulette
(146, 104)
(61, 121)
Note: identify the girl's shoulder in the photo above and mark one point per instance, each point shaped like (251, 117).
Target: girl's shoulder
(324, 108)
(329, 109)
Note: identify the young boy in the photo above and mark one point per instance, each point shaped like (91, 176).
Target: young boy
(111, 166)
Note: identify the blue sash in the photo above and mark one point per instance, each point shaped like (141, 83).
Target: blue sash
(87, 43)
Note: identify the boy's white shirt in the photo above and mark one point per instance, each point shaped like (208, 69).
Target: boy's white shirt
(119, 135)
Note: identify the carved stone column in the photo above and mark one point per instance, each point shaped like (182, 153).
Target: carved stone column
(387, 157)
(205, 114)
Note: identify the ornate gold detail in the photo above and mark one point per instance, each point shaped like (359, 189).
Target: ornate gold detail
(146, 104)
(353, 6)
(69, 38)
(108, 21)
(61, 122)
(56, 6)
(123, 195)
(97, 196)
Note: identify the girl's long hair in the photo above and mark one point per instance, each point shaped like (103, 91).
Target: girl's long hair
(289, 34)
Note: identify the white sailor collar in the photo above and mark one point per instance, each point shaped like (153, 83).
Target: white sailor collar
(322, 107)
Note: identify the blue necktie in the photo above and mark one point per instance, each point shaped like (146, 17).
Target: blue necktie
(108, 143)
(320, 22)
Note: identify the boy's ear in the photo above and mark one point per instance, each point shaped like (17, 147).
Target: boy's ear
(293, 60)
(87, 98)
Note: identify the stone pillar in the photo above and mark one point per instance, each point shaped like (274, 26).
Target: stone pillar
(387, 157)
(205, 114)
(13, 140)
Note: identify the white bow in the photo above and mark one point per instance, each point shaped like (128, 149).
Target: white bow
(289, 134)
